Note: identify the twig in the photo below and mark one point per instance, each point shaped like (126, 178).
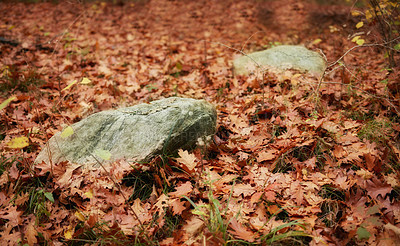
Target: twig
(389, 101)
(316, 91)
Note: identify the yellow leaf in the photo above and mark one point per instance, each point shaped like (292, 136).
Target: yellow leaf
(18, 143)
(69, 232)
(80, 216)
(6, 102)
(317, 41)
(103, 154)
(355, 39)
(89, 194)
(355, 13)
(70, 85)
(368, 15)
(86, 81)
(68, 131)
(359, 24)
(360, 41)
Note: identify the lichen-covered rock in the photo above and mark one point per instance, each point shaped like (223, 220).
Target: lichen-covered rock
(135, 133)
(281, 57)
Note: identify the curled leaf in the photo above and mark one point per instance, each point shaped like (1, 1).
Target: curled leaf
(6, 102)
(70, 85)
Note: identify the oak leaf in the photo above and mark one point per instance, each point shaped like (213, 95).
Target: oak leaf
(267, 155)
(31, 234)
(193, 226)
(186, 159)
(12, 215)
(177, 206)
(245, 189)
(241, 231)
(182, 190)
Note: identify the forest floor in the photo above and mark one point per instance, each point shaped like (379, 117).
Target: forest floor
(295, 161)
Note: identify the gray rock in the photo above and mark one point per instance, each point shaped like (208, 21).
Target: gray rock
(135, 133)
(282, 57)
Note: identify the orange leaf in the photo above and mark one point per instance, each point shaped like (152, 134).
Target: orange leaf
(31, 234)
(187, 160)
(12, 215)
(266, 155)
(241, 231)
(182, 190)
(177, 206)
(245, 189)
(193, 226)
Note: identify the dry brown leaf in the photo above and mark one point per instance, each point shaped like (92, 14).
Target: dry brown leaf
(245, 189)
(241, 231)
(186, 159)
(31, 234)
(10, 213)
(193, 226)
(182, 190)
(267, 155)
(177, 206)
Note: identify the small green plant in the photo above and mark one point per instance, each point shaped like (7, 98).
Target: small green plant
(37, 203)
(6, 163)
(378, 130)
(213, 214)
(16, 79)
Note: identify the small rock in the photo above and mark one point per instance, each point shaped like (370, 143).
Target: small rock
(281, 57)
(135, 133)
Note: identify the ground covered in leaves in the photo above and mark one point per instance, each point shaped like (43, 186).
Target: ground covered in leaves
(295, 161)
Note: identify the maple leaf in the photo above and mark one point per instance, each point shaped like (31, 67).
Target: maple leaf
(186, 159)
(241, 231)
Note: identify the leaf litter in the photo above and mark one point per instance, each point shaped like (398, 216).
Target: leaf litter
(281, 166)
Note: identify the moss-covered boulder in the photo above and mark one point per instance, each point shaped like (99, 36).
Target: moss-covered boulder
(135, 133)
(281, 57)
